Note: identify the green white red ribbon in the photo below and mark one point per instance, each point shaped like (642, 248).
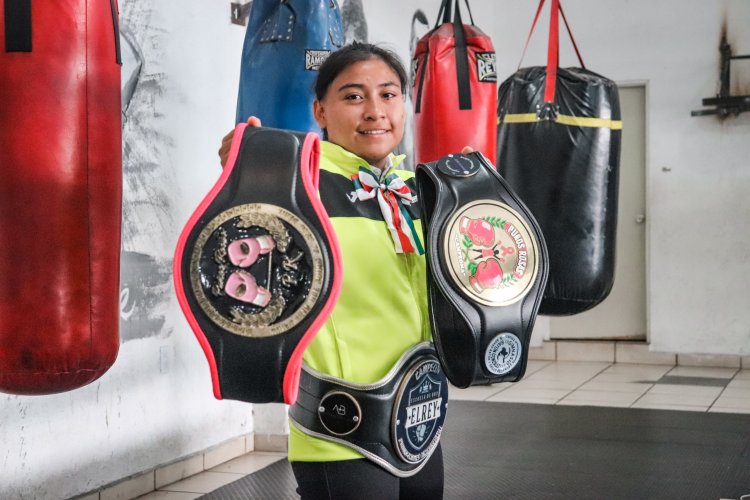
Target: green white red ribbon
(392, 194)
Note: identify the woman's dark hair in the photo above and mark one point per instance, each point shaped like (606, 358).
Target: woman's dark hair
(355, 52)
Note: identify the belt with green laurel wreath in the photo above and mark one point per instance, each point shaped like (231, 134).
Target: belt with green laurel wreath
(487, 269)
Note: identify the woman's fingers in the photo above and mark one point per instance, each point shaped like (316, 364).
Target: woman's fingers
(226, 141)
(466, 150)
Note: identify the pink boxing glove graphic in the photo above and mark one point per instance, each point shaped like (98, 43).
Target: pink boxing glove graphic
(241, 285)
(489, 274)
(245, 252)
(479, 231)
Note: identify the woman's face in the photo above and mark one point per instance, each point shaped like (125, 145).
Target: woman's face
(363, 110)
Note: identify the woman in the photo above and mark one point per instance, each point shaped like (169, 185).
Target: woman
(382, 311)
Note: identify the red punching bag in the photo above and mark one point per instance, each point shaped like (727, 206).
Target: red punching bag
(455, 89)
(60, 193)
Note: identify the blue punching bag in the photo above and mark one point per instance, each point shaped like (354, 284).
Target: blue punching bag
(285, 43)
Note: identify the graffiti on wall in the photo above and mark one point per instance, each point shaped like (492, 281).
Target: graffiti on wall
(148, 214)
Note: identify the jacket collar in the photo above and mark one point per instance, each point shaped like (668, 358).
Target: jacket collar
(348, 161)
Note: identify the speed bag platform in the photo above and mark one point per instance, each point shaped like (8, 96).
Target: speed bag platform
(257, 267)
(285, 44)
(487, 268)
(60, 194)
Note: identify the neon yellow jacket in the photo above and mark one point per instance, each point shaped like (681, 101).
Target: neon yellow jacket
(382, 309)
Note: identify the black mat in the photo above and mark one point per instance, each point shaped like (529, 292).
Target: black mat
(523, 451)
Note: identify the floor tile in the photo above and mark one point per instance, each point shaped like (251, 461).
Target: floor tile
(533, 366)
(170, 495)
(702, 371)
(655, 405)
(247, 464)
(629, 387)
(721, 409)
(687, 391)
(477, 392)
(603, 398)
(224, 452)
(521, 395)
(633, 373)
(742, 375)
(742, 403)
(674, 400)
(568, 383)
(736, 383)
(204, 482)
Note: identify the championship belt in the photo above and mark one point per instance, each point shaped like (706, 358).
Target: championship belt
(486, 272)
(395, 422)
(257, 267)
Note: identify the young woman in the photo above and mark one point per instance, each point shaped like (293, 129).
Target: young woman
(382, 311)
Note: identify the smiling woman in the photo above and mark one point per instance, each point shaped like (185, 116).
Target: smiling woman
(360, 105)
(373, 358)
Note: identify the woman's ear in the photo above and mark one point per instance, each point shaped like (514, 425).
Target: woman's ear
(319, 113)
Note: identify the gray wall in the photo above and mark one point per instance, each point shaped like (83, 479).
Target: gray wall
(155, 405)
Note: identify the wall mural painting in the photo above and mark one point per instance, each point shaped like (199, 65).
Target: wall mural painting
(148, 213)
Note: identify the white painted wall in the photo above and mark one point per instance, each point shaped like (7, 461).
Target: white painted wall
(155, 405)
(698, 212)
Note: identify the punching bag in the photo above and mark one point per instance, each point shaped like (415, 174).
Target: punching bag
(60, 193)
(559, 148)
(455, 87)
(285, 44)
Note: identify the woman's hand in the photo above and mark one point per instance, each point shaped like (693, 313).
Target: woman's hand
(466, 150)
(226, 141)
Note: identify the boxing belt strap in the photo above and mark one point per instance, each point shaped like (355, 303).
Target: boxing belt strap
(396, 422)
(487, 268)
(257, 267)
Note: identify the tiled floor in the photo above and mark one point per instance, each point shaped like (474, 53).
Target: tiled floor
(688, 388)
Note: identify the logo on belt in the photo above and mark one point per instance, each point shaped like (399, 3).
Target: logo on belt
(491, 253)
(256, 270)
(419, 412)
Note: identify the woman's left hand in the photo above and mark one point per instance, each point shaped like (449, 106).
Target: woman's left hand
(466, 150)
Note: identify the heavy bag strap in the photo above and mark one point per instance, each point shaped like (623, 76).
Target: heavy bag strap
(17, 25)
(462, 61)
(257, 268)
(553, 46)
(487, 269)
(461, 54)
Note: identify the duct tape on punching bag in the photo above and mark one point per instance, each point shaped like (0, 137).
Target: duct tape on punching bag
(559, 148)
(455, 88)
(285, 44)
(60, 195)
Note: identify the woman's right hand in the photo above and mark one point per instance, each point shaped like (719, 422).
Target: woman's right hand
(226, 141)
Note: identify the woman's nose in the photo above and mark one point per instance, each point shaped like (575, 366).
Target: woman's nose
(374, 109)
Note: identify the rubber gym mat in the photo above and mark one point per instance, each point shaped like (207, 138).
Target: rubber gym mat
(525, 451)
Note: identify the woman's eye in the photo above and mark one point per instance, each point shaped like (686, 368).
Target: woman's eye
(390, 95)
(353, 97)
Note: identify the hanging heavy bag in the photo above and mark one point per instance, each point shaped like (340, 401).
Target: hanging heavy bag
(285, 43)
(60, 194)
(559, 148)
(454, 92)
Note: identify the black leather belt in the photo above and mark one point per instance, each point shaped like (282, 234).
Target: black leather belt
(487, 269)
(257, 265)
(396, 422)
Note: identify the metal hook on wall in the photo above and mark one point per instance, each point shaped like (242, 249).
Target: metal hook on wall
(725, 103)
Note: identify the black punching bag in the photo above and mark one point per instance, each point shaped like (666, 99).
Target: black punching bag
(559, 148)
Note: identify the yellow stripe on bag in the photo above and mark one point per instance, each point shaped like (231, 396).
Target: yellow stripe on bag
(565, 120)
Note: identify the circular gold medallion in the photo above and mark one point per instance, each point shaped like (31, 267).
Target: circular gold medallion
(490, 252)
(256, 270)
